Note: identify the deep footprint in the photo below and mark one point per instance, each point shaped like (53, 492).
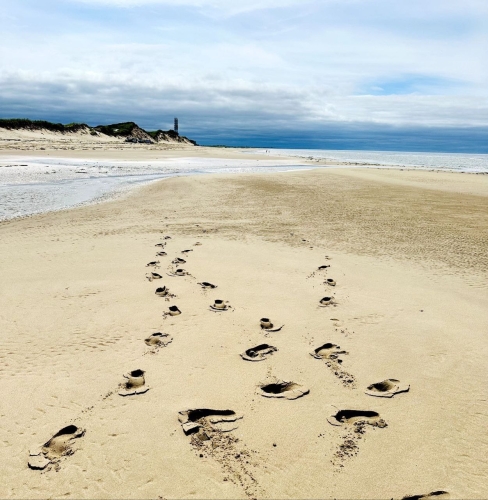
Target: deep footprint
(220, 306)
(326, 301)
(330, 354)
(206, 285)
(172, 311)
(163, 291)
(201, 419)
(387, 388)
(357, 418)
(437, 495)
(153, 276)
(265, 324)
(58, 446)
(258, 353)
(178, 272)
(327, 351)
(178, 261)
(158, 339)
(283, 390)
(154, 263)
(135, 384)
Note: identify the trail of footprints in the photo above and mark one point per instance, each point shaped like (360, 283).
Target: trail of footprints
(209, 429)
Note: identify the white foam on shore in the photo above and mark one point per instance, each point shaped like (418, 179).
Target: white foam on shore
(450, 162)
(30, 185)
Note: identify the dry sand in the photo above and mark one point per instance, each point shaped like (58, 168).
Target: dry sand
(408, 253)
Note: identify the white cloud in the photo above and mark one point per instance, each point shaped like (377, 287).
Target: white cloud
(304, 62)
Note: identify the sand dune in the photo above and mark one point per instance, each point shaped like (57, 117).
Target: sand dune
(82, 321)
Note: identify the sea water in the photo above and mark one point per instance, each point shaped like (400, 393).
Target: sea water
(36, 185)
(472, 163)
(33, 185)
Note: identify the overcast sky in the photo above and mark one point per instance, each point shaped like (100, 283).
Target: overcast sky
(240, 72)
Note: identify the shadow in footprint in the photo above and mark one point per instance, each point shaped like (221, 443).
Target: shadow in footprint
(387, 388)
(283, 390)
(258, 353)
(178, 261)
(330, 282)
(437, 495)
(187, 251)
(206, 285)
(220, 306)
(326, 301)
(161, 254)
(322, 268)
(163, 291)
(267, 326)
(58, 446)
(154, 263)
(135, 384)
(178, 272)
(357, 418)
(158, 339)
(172, 311)
(153, 276)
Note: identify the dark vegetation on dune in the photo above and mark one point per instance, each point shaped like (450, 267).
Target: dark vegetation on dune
(24, 123)
(129, 130)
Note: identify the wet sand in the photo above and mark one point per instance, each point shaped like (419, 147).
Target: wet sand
(408, 302)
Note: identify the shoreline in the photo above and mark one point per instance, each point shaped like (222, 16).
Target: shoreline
(407, 251)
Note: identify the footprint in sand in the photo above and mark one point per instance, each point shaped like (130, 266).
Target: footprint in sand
(178, 272)
(322, 268)
(210, 437)
(160, 245)
(197, 244)
(158, 339)
(203, 420)
(172, 311)
(58, 446)
(258, 353)
(437, 495)
(220, 306)
(206, 285)
(358, 418)
(328, 351)
(266, 325)
(163, 291)
(161, 254)
(387, 388)
(154, 263)
(135, 384)
(326, 301)
(153, 276)
(187, 251)
(283, 390)
(178, 261)
(330, 282)
(330, 354)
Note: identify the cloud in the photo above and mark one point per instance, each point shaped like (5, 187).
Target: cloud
(243, 66)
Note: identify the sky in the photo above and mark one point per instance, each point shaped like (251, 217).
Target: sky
(339, 74)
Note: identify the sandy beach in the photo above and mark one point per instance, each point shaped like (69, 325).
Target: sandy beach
(374, 276)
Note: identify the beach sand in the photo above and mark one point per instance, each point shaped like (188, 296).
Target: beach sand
(408, 254)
